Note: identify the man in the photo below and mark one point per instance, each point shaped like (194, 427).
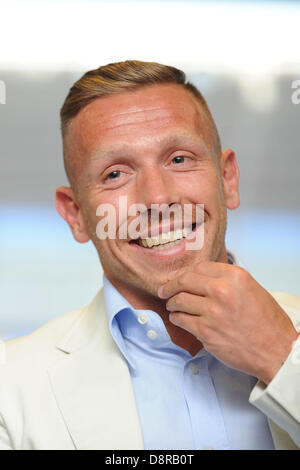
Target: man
(182, 349)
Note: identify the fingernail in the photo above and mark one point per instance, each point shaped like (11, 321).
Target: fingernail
(171, 319)
(160, 292)
(173, 274)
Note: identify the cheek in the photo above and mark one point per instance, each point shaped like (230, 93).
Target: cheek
(214, 191)
(89, 206)
(203, 191)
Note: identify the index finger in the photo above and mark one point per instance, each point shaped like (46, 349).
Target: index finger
(191, 282)
(213, 268)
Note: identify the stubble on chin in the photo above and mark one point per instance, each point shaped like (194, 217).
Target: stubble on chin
(148, 282)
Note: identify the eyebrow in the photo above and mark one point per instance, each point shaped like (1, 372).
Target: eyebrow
(167, 143)
(110, 152)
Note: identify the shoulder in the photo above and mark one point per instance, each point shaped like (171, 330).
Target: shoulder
(26, 397)
(39, 347)
(31, 355)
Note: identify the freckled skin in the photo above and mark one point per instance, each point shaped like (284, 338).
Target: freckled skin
(139, 124)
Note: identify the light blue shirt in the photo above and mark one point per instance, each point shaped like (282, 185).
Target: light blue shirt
(184, 402)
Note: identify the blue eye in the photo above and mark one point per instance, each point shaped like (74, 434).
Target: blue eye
(178, 159)
(114, 174)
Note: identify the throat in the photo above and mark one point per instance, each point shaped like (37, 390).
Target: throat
(181, 337)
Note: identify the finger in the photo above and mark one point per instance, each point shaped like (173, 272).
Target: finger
(207, 268)
(189, 323)
(188, 303)
(189, 281)
(221, 270)
(213, 268)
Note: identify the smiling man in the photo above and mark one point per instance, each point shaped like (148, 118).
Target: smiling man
(182, 348)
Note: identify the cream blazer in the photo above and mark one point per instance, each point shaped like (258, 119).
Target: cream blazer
(67, 386)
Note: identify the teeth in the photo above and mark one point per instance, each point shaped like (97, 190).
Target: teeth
(165, 238)
(187, 231)
(166, 245)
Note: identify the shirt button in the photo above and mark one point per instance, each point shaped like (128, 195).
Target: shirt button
(208, 448)
(152, 334)
(193, 368)
(142, 318)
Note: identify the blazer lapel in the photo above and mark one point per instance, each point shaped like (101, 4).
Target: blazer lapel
(92, 386)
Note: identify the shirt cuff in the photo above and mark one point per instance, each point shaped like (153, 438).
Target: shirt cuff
(280, 399)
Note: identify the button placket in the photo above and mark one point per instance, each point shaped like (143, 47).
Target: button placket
(151, 334)
(193, 368)
(143, 318)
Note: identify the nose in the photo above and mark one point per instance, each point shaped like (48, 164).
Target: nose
(156, 187)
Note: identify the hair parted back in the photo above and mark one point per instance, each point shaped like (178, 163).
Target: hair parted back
(119, 77)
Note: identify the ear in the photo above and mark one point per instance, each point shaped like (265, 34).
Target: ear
(68, 208)
(230, 175)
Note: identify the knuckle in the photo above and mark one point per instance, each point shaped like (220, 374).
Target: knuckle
(240, 275)
(202, 267)
(181, 280)
(175, 317)
(180, 299)
(175, 302)
(184, 279)
(205, 334)
(212, 310)
(222, 291)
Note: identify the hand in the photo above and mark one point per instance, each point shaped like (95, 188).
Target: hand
(232, 315)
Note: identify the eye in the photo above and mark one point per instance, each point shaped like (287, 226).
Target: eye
(178, 159)
(113, 175)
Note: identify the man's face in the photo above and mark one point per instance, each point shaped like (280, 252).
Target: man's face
(154, 146)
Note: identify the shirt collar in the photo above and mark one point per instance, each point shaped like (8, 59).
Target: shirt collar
(233, 259)
(115, 303)
(124, 322)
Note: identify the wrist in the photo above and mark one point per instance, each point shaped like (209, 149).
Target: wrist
(284, 349)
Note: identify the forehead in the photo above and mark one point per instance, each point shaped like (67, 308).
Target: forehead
(136, 116)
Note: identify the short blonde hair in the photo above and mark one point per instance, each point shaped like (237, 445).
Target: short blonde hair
(120, 77)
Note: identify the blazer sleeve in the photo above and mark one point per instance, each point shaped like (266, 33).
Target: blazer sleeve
(280, 399)
(5, 442)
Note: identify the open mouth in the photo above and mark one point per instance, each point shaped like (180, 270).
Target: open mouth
(166, 240)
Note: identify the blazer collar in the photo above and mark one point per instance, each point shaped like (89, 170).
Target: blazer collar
(85, 326)
(92, 385)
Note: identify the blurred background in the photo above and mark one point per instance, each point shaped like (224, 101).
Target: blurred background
(244, 56)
